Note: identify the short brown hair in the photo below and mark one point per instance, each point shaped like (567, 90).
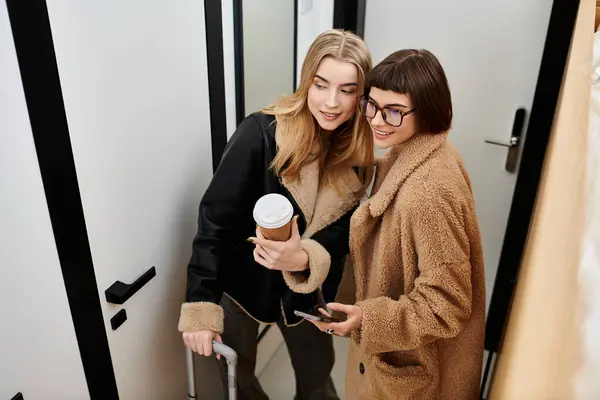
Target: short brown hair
(419, 75)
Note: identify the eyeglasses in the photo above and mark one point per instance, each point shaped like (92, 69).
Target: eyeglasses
(391, 116)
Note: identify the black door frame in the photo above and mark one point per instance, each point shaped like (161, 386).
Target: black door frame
(39, 73)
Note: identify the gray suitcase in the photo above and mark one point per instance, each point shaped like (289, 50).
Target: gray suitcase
(231, 358)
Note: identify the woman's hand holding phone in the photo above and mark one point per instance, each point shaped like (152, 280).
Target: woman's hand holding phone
(352, 323)
(318, 316)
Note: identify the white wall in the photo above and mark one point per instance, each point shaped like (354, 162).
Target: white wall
(38, 348)
(268, 51)
(314, 17)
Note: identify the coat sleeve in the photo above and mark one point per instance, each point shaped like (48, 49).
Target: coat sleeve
(236, 180)
(440, 303)
(325, 245)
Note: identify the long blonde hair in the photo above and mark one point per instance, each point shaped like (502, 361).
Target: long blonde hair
(298, 132)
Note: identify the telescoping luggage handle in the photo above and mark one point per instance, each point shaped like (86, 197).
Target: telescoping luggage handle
(231, 358)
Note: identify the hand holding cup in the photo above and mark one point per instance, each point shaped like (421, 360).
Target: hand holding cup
(278, 241)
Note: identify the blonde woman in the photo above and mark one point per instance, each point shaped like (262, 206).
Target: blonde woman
(314, 148)
(418, 318)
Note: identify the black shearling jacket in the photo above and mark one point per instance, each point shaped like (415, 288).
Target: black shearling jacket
(222, 258)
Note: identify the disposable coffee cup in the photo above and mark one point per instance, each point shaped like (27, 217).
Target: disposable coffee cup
(273, 214)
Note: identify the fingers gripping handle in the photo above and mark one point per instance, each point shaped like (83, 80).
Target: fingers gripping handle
(231, 357)
(226, 351)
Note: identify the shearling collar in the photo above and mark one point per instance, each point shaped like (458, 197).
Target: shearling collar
(320, 202)
(401, 163)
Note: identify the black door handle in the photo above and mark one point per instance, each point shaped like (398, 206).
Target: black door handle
(513, 143)
(119, 292)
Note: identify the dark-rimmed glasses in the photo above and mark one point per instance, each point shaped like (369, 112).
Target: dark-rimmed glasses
(391, 116)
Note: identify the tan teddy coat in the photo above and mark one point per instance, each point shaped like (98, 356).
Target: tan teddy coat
(419, 279)
(419, 276)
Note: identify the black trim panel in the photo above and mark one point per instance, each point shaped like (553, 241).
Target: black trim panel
(294, 85)
(556, 50)
(216, 78)
(238, 52)
(39, 72)
(349, 15)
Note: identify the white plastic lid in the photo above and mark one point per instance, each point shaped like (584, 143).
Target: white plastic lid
(273, 211)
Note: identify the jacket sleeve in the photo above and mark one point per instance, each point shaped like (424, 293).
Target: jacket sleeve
(440, 303)
(236, 180)
(325, 245)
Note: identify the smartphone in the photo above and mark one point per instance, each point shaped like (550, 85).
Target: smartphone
(315, 317)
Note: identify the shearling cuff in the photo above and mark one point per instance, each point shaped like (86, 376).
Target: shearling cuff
(200, 316)
(319, 262)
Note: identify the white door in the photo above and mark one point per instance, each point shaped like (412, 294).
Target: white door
(491, 53)
(36, 330)
(135, 86)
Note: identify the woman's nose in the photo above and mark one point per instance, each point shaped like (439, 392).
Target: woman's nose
(332, 99)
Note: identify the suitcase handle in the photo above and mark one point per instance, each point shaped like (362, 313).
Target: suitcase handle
(226, 351)
(230, 356)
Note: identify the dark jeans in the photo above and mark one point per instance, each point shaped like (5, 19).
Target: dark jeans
(311, 353)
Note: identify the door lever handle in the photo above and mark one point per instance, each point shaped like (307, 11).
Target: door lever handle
(119, 292)
(513, 143)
